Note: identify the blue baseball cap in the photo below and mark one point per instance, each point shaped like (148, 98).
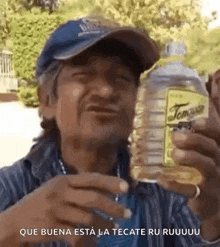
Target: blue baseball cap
(75, 36)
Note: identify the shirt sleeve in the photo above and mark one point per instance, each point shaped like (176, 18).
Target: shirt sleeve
(188, 225)
(15, 183)
(6, 190)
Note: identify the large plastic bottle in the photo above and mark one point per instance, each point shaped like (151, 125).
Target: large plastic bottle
(173, 97)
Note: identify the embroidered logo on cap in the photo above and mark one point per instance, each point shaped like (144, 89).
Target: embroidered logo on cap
(89, 26)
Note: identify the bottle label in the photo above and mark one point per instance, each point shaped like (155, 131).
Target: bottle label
(182, 106)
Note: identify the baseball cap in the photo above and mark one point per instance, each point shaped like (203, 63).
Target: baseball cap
(75, 36)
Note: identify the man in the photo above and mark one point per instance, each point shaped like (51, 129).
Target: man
(76, 176)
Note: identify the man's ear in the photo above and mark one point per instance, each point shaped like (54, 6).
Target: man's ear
(47, 107)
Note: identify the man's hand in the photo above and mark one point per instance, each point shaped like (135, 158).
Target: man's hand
(66, 202)
(200, 150)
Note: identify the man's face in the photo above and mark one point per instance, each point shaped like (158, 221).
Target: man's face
(95, 100)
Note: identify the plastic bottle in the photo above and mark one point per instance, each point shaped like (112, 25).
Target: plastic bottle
(173, 96)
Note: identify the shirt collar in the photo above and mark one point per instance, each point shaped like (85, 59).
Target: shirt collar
(44, 160)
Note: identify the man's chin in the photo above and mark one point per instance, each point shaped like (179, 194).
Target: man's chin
(103, 139)
(99, 134)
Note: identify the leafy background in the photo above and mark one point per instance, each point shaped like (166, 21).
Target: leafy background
(24, 28)
(29, 35)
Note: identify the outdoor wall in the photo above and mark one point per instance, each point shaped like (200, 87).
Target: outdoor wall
(7, 84)
(7, 97)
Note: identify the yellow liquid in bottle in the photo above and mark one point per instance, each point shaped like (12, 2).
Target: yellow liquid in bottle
(178, 173)
(151, 143)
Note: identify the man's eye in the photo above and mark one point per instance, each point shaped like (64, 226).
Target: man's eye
(80, 74)
(123, 78)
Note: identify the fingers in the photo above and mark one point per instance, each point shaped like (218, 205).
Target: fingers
(194, 141)
(205, 165)
(77, 217)
(90, 200)
(83, 200)
(188, 190)
(201, 198)
(110, 184)
(209, 127)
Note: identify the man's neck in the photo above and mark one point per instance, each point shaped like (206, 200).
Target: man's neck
(92, 158)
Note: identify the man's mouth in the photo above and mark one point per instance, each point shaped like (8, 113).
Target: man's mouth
(106, 111)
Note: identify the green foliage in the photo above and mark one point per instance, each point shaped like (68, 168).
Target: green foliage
(4, 24)
(14, 6)
(203, 50)
(71, 9)
(28, 95)
(30, 32)
(18, 6)
(163, 19)
(28, 4)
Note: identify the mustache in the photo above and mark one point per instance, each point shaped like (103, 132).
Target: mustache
(102, 108)
(95, 102)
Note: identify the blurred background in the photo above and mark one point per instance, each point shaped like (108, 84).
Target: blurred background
(26, 24)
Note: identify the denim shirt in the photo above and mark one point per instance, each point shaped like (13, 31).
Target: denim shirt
(164, 216)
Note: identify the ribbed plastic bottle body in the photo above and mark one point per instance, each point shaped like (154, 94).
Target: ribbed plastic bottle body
(170, 105)
(147, 136)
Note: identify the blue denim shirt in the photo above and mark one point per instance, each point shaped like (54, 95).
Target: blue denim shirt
(154, 209)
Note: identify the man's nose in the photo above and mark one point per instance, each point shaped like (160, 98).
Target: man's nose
(104, 88)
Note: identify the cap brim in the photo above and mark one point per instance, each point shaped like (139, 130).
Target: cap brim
(143, 46)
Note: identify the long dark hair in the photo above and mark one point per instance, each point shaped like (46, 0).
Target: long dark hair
(48, 80)
(208, 84)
